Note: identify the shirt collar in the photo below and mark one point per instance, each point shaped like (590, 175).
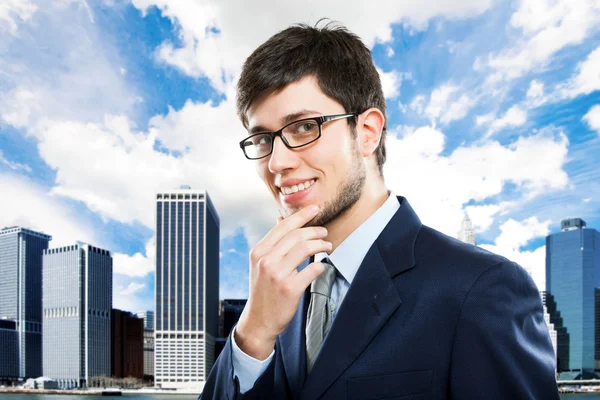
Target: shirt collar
(348, 256)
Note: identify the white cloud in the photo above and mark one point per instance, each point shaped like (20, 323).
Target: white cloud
(137, 265)
(482, 216)
(26, 204)
(536, 89)
(514, 116)
(546, 27)
(593, 118)
(219, 56)
(586, 78)
(11, 11)
(439, 186)
(447, 106)
(13, 165)
(390, 82)
(516, 234)
(132, 289)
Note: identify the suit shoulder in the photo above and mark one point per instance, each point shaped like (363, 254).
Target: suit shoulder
(434, 248)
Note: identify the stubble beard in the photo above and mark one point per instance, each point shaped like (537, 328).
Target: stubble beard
(348, 193)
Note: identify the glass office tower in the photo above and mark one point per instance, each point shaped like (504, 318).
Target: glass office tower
(572, 276)
(77, 314)
(186, 288)
(21, 297)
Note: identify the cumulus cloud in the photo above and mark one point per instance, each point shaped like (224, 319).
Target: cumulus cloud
(514, 236)
(137, 265)
(216, 36)
(26, 204)
(439, 185)
(593, 118)
(446, 105)
(513, 117)
(12, 12)
(585, 79)
(132, 288)
(544, 27)
(390, 82)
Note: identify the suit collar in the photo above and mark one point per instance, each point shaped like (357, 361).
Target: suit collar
(369, 303)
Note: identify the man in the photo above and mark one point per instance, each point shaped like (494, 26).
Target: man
(357, 299)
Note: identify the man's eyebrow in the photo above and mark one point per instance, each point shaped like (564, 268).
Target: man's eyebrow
(285, 120)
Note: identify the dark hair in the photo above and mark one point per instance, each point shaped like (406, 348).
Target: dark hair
(339, 60)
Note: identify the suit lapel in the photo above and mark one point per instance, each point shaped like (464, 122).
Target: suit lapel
(292, 340)
(370, 301)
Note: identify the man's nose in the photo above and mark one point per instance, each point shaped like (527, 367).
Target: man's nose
(282, 157)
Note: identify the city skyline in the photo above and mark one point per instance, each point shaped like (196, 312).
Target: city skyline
(499, 117)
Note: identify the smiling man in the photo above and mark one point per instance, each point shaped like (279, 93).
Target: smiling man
(351, 297)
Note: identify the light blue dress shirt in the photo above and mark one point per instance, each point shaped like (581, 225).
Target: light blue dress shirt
(347, 257)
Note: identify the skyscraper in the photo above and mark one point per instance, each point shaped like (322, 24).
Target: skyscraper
(572, 275)
(186, 287)
(148, 317)
(21, 295)
(77, 314)
(127, 345)
(466, 232)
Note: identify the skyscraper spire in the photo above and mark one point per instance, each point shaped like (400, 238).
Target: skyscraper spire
(466, 232)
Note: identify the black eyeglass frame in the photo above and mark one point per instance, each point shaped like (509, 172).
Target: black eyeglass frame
(319, 120)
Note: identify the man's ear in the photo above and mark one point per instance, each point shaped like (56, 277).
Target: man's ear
(369, 127)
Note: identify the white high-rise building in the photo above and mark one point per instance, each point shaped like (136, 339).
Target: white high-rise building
(186, 288)
(77, 304)
(467, 233)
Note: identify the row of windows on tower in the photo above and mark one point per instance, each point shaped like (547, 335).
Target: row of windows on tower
(180, 196)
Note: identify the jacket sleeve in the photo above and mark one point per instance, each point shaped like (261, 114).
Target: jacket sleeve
(502, 348)
(222, 384)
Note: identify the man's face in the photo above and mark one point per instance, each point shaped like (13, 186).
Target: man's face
(333, 161)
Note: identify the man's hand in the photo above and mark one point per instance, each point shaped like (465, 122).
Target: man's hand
(275, 285)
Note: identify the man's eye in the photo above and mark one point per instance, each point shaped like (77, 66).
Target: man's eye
(304, 127)
(263, 140)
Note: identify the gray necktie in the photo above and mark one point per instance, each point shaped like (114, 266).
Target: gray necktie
(318, 319)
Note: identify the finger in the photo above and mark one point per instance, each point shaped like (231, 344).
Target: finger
(297, 220)
(305, 277)
(300, 252)
(294, 238)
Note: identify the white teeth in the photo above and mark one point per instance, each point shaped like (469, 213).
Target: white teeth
(297, 188)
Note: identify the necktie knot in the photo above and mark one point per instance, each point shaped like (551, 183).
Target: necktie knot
(324, 282)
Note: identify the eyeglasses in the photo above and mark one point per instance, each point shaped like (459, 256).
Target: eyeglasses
(295, 134)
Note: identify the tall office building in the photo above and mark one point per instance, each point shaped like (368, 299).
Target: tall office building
(127, 345)
(466, 232)
(572, 276)
(551, 330)
(21, 296)
(77, 314)
(186, 288)
(148, 317)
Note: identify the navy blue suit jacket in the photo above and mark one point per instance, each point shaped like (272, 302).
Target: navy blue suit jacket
(426, 317)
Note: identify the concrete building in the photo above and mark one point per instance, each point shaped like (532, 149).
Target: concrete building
(148, 317)
(9, 352)
(127, 345)
(149, 354)
(466, 232)
(230, 311)
(572, 276)
(77, 314)
(21, 297)
(186, 288)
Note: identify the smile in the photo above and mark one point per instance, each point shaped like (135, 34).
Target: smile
(297, 188)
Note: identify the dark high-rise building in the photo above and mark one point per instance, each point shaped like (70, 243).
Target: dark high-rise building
(186, 288)
(572, 276)
(148, 317)
(21, 297)
(9, 351)
(231, 310)
(127, 344)
(77, 313)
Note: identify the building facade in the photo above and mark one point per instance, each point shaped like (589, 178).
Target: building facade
(572, 276)
(127, 345)
(9, 352)
(149, 354)
(148, 317)
(21, 295)
(186, 288)
(77, 314)
(467, 232)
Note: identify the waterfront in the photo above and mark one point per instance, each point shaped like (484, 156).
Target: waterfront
(28, 396)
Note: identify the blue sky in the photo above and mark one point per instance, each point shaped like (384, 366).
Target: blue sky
(493, 108)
